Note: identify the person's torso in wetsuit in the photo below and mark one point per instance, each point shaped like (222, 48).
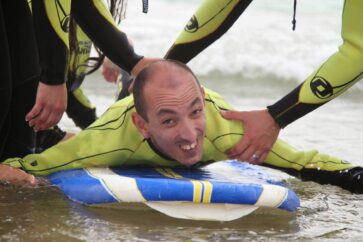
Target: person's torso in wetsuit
(113, 140)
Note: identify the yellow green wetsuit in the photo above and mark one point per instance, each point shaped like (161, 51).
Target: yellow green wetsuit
(113, 140)
(339, 72)
(81, 21)
(79, 107)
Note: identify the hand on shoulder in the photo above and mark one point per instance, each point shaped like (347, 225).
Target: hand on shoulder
(261, 132)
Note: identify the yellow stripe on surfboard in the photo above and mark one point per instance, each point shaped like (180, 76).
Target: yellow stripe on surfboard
(202, 190)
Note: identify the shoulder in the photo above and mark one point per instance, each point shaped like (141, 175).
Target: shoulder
(127, 102)
(118, 113)
(214, 100)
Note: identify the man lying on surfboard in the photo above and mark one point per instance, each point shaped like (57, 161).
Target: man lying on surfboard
(174, 121)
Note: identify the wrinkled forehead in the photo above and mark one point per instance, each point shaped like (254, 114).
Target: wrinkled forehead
(171, 88)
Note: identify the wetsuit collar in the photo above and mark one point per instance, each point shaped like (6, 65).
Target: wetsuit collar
(153, 147)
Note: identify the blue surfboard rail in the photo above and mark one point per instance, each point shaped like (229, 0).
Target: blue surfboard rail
(249, 185)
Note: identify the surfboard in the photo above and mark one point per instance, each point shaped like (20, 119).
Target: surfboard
(221, 191)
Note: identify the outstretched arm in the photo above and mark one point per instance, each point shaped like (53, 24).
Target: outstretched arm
(96, 21)
(338, 73)
(341, 70)
(314, 166)
(306, 165)
(212, 19)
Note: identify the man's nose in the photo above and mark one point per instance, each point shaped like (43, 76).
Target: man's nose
(188, 131)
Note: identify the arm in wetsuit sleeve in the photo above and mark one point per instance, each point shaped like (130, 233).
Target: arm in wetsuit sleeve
(96, 21)
(314, 166)
(53, 51)
(84, 149)
(342, 70)
(212, 19)
(307, 165)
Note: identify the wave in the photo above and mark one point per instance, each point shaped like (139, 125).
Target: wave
(261, 44)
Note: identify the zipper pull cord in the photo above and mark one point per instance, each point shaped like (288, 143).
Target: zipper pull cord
(294, 17)
(34, 148)
(145, 6)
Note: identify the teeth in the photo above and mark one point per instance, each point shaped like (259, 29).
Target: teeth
(188, 147)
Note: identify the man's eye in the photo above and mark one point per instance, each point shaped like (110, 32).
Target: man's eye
(168, 122)
(197, 112)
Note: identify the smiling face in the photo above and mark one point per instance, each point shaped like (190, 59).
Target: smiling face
(174, 107)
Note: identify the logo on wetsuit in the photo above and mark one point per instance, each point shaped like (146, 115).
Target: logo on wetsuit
(63, 17)
(321, 88)
(192, 25)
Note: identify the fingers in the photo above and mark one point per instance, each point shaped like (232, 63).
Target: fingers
(110, 71)
(251, 155)
(131, 87)
(232, 115)
(33, 113)
(239, 149)
(262, 157)
(25, 179)
(51, 102)
(247, 150)
(260, 133)
(110, 75)
(142, 64)
(246, 155)
(113, 76)
(45, 119)
(35, 121)
(258, 157)
(54, 116)
(31, 180)
(16, 176)
(41, 181)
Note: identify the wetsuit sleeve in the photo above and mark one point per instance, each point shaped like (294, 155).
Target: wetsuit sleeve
(315, 166)
(53, 52)
(96, 21)
(212, 19)
(113, 129)
(343, 69)
(307, 165)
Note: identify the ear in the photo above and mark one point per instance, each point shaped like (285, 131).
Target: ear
(203, 93)
(140, 124)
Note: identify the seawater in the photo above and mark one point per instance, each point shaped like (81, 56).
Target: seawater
(253, 65)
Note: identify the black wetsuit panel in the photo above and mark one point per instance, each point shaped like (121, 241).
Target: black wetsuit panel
(19, 70)
(50, 46)
(104, 34)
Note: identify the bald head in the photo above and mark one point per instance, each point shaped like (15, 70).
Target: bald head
(165, 74)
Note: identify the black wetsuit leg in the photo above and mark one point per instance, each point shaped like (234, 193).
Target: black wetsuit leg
(20, 135)
(19, 70)
(5, 83)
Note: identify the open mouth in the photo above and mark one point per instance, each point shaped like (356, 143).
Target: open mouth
(188, 147)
